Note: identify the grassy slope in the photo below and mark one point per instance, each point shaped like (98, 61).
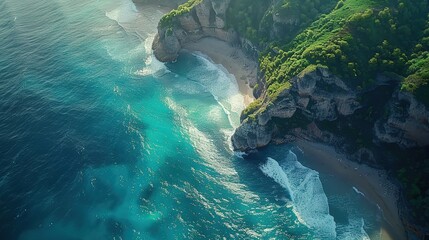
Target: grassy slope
(356, 41)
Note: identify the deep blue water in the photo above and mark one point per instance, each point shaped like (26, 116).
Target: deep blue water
(98, 140)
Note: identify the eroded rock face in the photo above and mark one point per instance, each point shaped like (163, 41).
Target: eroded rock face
(407, 123)
(166, 47)
(317, 94)
(251, 135)
(324, 95)
(207, 19)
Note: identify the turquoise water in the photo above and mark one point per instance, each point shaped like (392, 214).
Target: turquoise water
(101, 141)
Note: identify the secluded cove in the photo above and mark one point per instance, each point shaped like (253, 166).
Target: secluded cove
(100, 140)
(374, 183)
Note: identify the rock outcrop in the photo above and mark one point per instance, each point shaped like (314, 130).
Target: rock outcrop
(206, 19)
(370, 125)
(315, 96)
(407, 123)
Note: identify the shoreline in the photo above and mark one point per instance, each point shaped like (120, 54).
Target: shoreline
(233, 59)
(371, 182)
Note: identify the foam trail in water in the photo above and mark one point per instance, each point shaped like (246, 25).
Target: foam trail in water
(222, 85)
(354, 230)
(153, 66)
(310, 203)
(240, 154)
(358, 192)
(126, 12)
(273, 170)
(201, 142)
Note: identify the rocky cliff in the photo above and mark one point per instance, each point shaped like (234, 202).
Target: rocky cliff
(320, 106)
(362, 109)
(314, 96)
(204, 19)
(315, 104)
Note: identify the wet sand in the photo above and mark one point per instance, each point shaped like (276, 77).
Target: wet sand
(232, 59)
(371, 182)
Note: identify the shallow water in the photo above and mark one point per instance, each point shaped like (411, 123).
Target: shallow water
(101, 141)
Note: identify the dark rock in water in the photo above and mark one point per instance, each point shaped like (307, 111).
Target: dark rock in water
(166, 47)
(251, 135)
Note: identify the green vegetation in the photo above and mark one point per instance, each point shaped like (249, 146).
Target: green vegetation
(418, 68)
(254, 19)
(245, 15)
(166, 20)
(356, 40)
(252, 108)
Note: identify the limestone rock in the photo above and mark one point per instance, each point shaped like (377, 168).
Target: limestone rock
(251, 135)
(407, 123)
(319, 95)
(166, 47)
(207, 19)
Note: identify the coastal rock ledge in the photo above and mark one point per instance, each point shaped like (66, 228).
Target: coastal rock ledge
(371, 121)
(205, 19)
(315, 95)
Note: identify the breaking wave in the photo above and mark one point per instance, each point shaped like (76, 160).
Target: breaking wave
(303, 185)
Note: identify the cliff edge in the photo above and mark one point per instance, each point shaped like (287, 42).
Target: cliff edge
(321, 78)
(190, 22)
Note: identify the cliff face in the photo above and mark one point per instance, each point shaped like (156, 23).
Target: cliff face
(318, 105)
(407, 123)
(205, 19)
(314, 96)
(364, 113)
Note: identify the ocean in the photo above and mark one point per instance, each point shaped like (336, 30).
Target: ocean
(99, 140)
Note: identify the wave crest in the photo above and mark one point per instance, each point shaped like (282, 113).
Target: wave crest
(310, 203)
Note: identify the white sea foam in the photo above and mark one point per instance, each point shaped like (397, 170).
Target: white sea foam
(204, 146)
(153, 66)
(273, 170)
(358, 192)
(126, 12)
(222, 85)
(310, 203)
(208, 151)
(240, 154)
(354, 230)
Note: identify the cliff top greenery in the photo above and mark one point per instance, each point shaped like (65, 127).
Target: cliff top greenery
(356, 39)
(166, 20)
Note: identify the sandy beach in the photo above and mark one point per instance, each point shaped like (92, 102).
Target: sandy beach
(233, 59)
(371, 182)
